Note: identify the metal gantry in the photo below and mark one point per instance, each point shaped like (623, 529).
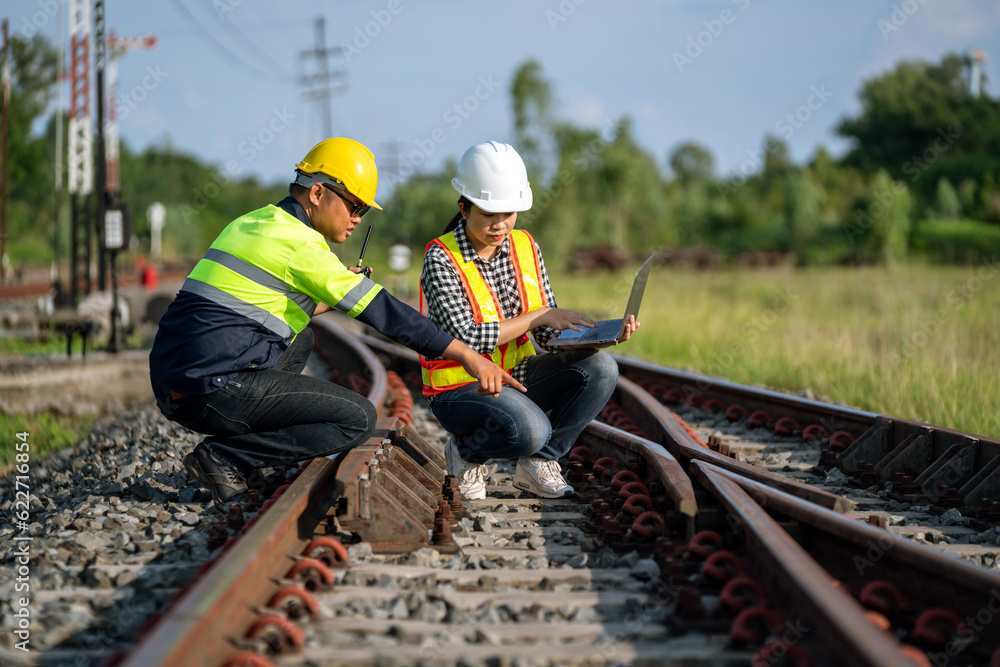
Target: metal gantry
(81, 150)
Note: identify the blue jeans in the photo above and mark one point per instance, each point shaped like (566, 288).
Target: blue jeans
(566, 390)
(275, 416)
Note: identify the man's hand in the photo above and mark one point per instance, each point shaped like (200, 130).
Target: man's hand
(491, 377)
(368, 271)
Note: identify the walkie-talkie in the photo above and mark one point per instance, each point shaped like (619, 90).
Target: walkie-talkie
(368, 270)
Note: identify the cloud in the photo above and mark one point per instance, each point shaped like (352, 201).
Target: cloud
(961, 19)
(584, 108)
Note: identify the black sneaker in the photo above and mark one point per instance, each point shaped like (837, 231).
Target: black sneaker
(224, 482)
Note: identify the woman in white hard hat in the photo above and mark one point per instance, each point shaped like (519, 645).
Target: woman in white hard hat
(484, 282)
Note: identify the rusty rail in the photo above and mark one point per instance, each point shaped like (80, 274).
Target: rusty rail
(900, 579)
(664, 428)
(821, 617)
(925, 463)
(205, 623)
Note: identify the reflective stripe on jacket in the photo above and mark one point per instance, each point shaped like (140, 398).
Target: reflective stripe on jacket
(443, 374)
(269, 267)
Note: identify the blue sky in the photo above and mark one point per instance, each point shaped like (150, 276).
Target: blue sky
(433, 77)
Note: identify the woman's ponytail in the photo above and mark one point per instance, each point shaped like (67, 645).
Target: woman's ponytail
(458, 216)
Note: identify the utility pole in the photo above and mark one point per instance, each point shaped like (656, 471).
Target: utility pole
(3, 150)
(57, 250)
(322, 85)
(117, 47)
(115, 221)
(81, 159)
(100, 62)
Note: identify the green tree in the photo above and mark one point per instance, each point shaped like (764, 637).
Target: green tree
(802, 215)
(30, 161)
(946, 203)
(692, 162)
(881, 227)
(919, 122)
(531, 98)
(967, 195)
(421, 206)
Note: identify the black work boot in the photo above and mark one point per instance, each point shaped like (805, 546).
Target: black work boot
(227, 484)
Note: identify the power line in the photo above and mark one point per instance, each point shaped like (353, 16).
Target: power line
(234, 59)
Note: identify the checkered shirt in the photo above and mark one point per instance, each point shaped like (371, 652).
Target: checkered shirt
(449, 307)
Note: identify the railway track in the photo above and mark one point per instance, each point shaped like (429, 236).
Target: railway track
(675, 550)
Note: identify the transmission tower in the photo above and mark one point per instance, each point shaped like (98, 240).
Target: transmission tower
(326, 82)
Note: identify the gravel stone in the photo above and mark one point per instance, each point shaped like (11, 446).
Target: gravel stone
(646, 570)
(628, 560)
(483, 522)
(360, 552)
(188, 518)
(951, 518)
(424, 558)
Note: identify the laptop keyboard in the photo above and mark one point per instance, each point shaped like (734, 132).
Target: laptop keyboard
(606, 330)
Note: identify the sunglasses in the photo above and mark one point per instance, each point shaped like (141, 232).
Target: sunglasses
(352, 208)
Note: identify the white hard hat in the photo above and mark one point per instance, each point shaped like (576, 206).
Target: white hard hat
(492, 176)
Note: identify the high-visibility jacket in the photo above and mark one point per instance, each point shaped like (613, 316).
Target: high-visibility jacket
(442, 374)
(254, 290)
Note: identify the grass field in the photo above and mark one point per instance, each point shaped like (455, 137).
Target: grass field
(910, 341)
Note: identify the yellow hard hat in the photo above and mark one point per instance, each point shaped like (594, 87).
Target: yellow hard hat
(348, 163)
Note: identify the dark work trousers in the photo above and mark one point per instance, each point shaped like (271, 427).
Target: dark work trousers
(276, 416)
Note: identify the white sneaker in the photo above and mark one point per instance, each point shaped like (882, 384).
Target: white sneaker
(471, 476)
(542, 478)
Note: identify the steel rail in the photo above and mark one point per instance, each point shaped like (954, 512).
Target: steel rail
(662, 427)
(942, 466)
(857, 554)
(752, 398)
(828, 623)
(203, 627)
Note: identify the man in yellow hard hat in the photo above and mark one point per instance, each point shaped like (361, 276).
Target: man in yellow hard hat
(228, 355)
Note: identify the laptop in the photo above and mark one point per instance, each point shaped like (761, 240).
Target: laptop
(608, 331)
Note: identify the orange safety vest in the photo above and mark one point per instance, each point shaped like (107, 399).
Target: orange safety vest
(444, 374)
